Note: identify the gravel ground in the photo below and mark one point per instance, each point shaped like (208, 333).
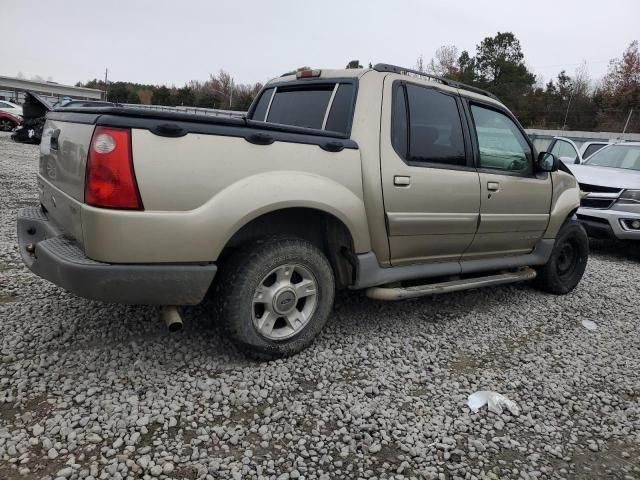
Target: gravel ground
(90, 390)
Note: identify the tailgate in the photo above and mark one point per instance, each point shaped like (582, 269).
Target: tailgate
(63, 158)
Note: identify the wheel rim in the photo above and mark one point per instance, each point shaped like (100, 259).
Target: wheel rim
(6, 125)
(284, 301)
(568, 259)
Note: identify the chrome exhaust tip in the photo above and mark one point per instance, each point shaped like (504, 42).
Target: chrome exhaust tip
(171, 317)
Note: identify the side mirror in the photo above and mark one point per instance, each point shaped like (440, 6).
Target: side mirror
(547, 162)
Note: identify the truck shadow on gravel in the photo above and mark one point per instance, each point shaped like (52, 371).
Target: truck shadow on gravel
(620, 250)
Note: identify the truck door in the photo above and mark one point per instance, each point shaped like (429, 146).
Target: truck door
(515, 199)
(431, 188)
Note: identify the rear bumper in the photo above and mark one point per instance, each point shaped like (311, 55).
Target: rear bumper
(608, 223)
(58, 259)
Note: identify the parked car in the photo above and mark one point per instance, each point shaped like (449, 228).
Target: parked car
(10, 107)
(8, 121)
(569, 153)
(610, 178)
(589, 148)
(83, 103)
(355, 179)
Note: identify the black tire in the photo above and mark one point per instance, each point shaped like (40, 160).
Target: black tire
(245, 270)
(568, 261)
(6, 125)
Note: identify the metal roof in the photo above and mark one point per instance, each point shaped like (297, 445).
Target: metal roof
(12, 83)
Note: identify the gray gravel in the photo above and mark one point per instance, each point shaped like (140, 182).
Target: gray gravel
(89, 390)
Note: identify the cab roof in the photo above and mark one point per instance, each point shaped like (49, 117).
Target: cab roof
(384, 68)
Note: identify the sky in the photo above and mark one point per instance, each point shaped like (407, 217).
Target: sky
(172, 42)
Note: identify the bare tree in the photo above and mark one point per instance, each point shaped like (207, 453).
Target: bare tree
(445, 62)
(582, 80)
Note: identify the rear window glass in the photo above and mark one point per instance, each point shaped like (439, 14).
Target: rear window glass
(306, 106)
(341, 109)
(263, 103)
(300, 107)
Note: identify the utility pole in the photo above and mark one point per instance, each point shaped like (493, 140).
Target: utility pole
(624, 130)
(231, 94)
(566, 115)
(106, 71)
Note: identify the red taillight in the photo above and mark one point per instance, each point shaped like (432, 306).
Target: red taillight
(110, 180)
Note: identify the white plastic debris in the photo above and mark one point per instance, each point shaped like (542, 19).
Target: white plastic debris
(589, 325)
(494, 401)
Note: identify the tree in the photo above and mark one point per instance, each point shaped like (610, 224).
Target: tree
(354, 64)
(145, 96)
(445, 62)
(185, 96)
(619, 91)
(162, 96)
(466, 68)
(500, 68)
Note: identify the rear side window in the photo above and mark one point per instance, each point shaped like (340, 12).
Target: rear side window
(593, 148)
(318, 106)
(434, 130)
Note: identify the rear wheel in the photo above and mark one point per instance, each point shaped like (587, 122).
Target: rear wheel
(568, 261)
(274, 296)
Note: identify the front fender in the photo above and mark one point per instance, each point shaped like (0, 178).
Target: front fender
(566, 199)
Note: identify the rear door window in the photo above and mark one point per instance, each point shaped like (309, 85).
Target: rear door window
(321, 107)
(434, 131)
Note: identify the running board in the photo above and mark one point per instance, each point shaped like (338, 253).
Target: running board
(400, 293)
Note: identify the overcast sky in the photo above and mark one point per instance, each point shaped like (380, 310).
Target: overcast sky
(172, 42)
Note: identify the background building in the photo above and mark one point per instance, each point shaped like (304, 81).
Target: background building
(12, 89)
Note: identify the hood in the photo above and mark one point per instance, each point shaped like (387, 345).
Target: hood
(606, 176)
(34, 106)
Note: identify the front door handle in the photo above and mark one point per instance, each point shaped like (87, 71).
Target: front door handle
(401, 181)
(493, 186)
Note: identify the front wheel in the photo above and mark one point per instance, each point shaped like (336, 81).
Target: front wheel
(568, 261)
(275, 296)
(6, 125)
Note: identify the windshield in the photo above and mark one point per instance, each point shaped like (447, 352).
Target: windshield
(617, 156)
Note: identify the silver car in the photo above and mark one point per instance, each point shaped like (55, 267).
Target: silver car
(610, 182)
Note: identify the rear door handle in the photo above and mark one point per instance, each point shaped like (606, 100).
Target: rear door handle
(493, 186)
(401, 181)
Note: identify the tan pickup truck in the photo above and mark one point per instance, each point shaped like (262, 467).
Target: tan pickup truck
(386, 179)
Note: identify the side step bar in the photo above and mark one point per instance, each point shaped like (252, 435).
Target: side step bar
(400, 293)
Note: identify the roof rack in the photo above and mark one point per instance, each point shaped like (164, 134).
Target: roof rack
(385, 67)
